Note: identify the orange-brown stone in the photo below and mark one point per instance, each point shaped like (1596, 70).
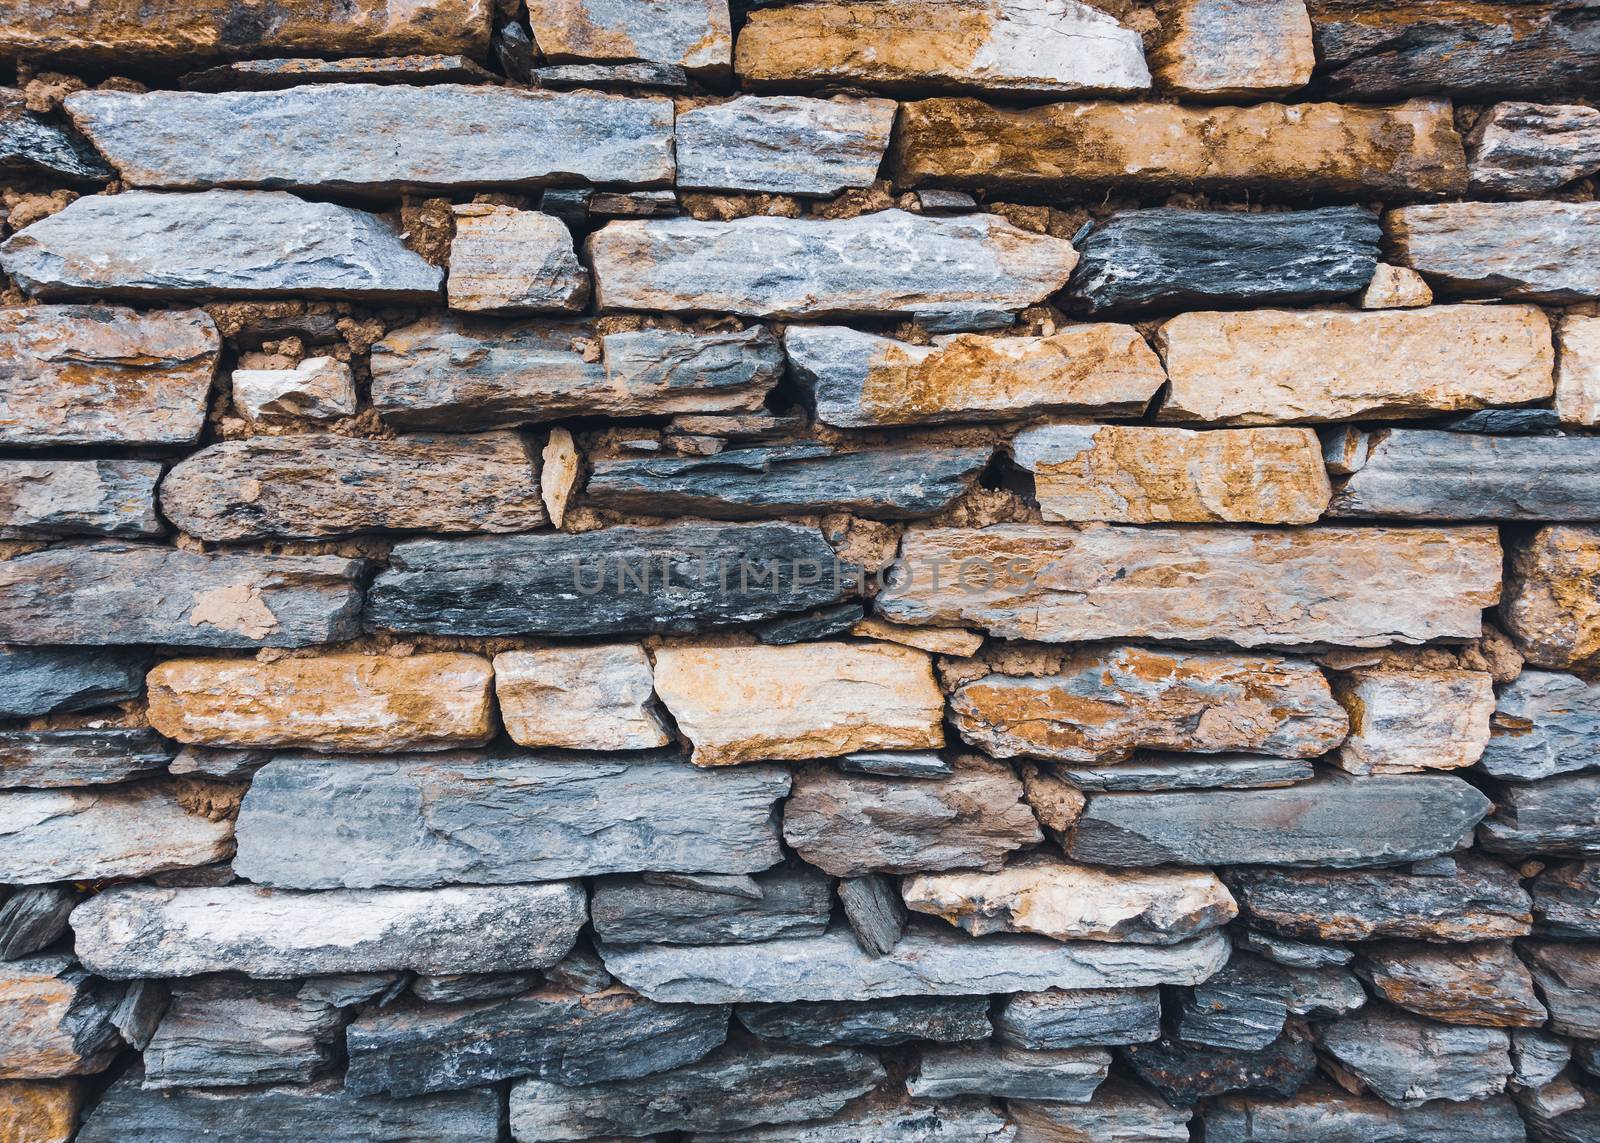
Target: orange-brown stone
(38, 1111)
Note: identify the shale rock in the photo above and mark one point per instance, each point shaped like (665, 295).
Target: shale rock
(1009, 1073)
(1242, 1008)
(1568, 976)
(1219, 49)
(795, 901)
(1522, 150)
(783, 144)
(1322, 1111)
(223, 1032)
(579, 698)
(1079, 1018)
(459, 988)
(874, 910)
(883, 1117)
(1155, 772)
(695, 35)
(79, 497)
(1559, 816)
(504, 260)
(1457, 984)
(871, 1023)
(43, 680)
(1551, 606)
(1537, 1057)
(1405, 721)
(33, 917)
(1289, 952)
(272, 74)
(1185, 1074)
(318, 389)
(58, 1020)
(1521, 251)
(1545, 723)
(1120, 1112)
(32, 146)
(46, 758)
(1406, 1061)
(90, 833)
(1566, 901)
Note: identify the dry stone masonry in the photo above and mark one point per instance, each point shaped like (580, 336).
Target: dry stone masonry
(800, 571)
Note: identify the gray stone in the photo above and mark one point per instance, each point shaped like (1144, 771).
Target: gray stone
(625, 76)
(1566, 901)
(930, 960)
(1518, 251)
(350, 988)
(141, 245)
(224, 1032)
(1545, 723)
(502, 818)
(874, 911)
(783, 144)
(1404, 817)
(459, 988)
(56, 758)
(1537, 1057)
(1573, 1124)
(58, 1019)
(1322, 992)
(1069, 1076)
(139, 1012)
(1243, 1007)
(1559, 816)
(1456, 984)
(1324, 1113)
(795, 901)
(871, 1023)
(1184, 1074)
(1058, 1018)
(377, 139)
(32, 146)
(225, 764)
(1510, 422)
(1568, 976)
(509, 261)
(1523, 150)
(1150, 771)
(272, 74)
(884, 1117)
(1407, 1061)
(33, 917)
(44, 680)
(823, 623)
(1289, 952)
(897, 764)
(79, 497)
(131, 931)
(101, 593)
(722, 884)
(581, 970)
(1168, 259)
(1120, 1112)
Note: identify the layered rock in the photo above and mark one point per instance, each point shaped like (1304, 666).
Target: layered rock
(31, 145)
(1558, 816)
(783, 144)
(1406, 1061)
(1153, 771)
(1457, 984)
(1323, 1107)
(694, 35)
(1568, 976)
(1566, 900)
(504, 260)
(58, 1019)
(579, 698)
(1120, 1112)
(1010, 1073)
(794, 901)
(79, 497)
(1522, 150)
(870, 1023)
(874, 910)
(46, 758)
(1215, 49)
(43, 680)
(1184, 1074)
(1521, 251)
(1551, 607)
(887, 1118)
(1545, 723)
(33, 917)
(1405, 721)
(270, 74)
(223, 1032)
(1056, 1019)
(85, 834)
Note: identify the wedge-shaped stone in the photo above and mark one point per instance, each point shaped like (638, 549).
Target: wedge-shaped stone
(1405, 721)
(1039, 1021)
(1523, 150)
(377, 138)
(141, 245)
(1523, 251)
(79, 497)
(31, 145)
(874, 911)
(884, 1117)
(504, 260)
(810, 700)
(99, 375)
(271, 74)
(1407, 1061)
(1184, 1074)
(557, 1034)
(1152, 771)
(871, 1023)
(442, 373)
(1407, 151)
(133, 931)
(931, 960)
(39, 1111)
(338, 702)
(737, 1086)
(313, 485)
(1551, 607)
(1190, 259)
(1322, 1110)
(1120, 1112)
(853, 824)
(1264, 367)
(1219, 49)
(86, 834)
(1566, 901)
(1568, 976)
(1480, 900)
(314, 823)
(783, 144)
(102, 594)
(579, 698)
(682, 577)
(1017, 46)
(1359, 587)
(695, 35)
(795, 901)
(58, 1020)
(964, 271)
(1011, 1073)
(1456, 984)
(219, 1031)
(1559, 816)
(1242, 1008)
(861, 380)
(43, 680)
(1404, 817)
(88, 757)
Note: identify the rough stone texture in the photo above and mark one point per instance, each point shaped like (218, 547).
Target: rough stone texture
(1169, 259)
(795, 901)
(1521, 251)
(147, 246)
(962, 271)
(1120, 1112)
(1322, 1108)
(1522, 150)
(1537, 1057)
(1545, 723)
(99, 375)
(1396, 288)
(375, 138)
(558, 473)
(1150, 771)
(1058, 1018)
(79, 497)
(1566, 901)
(874, 910)
(579, 698)
(32, 918)
(852, 824)
(1559, 816)
(100, 594)
(1407, 1062)
(1456, 984)
(1023, 47)
(1405, 721)
(58, 1020)
(1184, 1074)
(271, 74)
(885, 1118)
(862, 380)
(813, 700)
(318, 389)
(1010, 1073)
(1357, 587)
(85, 834)
(1568, 976)
(1551, 606)
(871, 1023)
(46, 758)
(783, 144)
(1407, 151)
(315, 823)
(1264, 367)
(132, 931)
(31, 145)
(38, 1111)
(1404, 817)
(1234, 49)
(334, 702)
(936, 641)
(695, 35)
(43, 680)
(1578, 370)
(504, 260)
(223, 1032)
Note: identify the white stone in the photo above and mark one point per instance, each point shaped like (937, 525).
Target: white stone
(318, 389)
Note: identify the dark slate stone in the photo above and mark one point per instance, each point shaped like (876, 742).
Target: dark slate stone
(796, 900)
(990, 1069)
(464, 987)
(348, 989)
(1568, 977)
(60, 758)
(1242, 1007)
(33, 918)
(1063, 1018)
(1289, 952)
(1506, 422)
(1184, 1074)
(30, 145)
(1579, 1124)
(870, 1023)
(875, 911)
(581, 970)
(44, 680)
(730, 884)
(1559, 816)
(1566, 901)
(813, 625)
(897, 764)
(220, 1031)
(1152, 772)
(224, 764)
(1172, 259)
(1322, 1113)
(1406, 1060)
(1545, 723)
(139, 1012)
(676, 578)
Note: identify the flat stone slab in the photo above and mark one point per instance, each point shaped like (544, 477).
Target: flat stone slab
(579, 698)
(133, 931)
(1519, 251)
(222, 1032)
(1568, 976)
(1216, 50)
(783, 144)
(79, 497)
(43, 680)
(32, 146)
(1077, 1018)
(694, 35)
(42, 759)
(1409, 721)
(1566, 900)
(1120, 1110)
(271, 74)
(1322, 1107)
(1474, 984)
(884, 1117)
(1523, 150)
(145, 246)
(1069, 1076)
(1407, 1061)
(870, 1023)
(1559, 816)
(1151, 771)
(795, 901)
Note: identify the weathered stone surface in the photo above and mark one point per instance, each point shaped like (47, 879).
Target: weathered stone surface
(132, 931)
(557, 1034)
(681, 577)
(862, 380)
(38, 1111)
(1537, 1057)
(579, 698)
(811, 700)
(783, 144)
(1573, 1116)
(1016, 46)
(1568, 976)
(97, 375)
(874, 911)
(313, 485)
(1407, 151)
(85, 834)
(989, 1069)
(1150, 771)
(220, 763)
(795, 901)
(1545, 723)
(1241, 1008)
(1396, 288)
(823, 623)
(955, 272)
(87, 757)
(1457, 984)
(32, 146)
(1224, 49)
(224, 244)
(1405, 721)
(954, 641)
(852, 824)
(1521, 251)
(1403, 817)
(1289, 952)
(458, 988)
(626, 77)
(343, 137)
(1558, 816)
(884, 1117)
(1263, 367)
(32, 918)
(1523, 150)
(1120, 1112)
(1578, 370)
(695, 35)
(1566, 901)
(223, 1032)
(1184, 1074)
(1106, 704)
(1169, 259)
(871, 1023)
(1357, 587)
(558, 473)
(1039, 894)
(79, 497)
(339, 702)
(442, 373)
(1060, 1018)
(1321, 1111)
(271, 74)
(1551, 606)
(315, 823)
(505, 260)
(318, 389)
(57, 1019)
(1407, 1061)
(43, 680)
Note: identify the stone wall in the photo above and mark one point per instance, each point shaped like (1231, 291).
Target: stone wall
(848, 571)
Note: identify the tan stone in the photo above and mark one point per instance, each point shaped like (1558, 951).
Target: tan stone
(509, 261)
(1234, 49)
(810, 700)
(580, 698)
(38, 1111)
(1073, 902)
(54, 1025)
(338, 701)
(1406, 721)
(934, 640)
(1408, 150)
(1262, 367)
(1396, 288)
(1056, 802)
(1552, 604)
(558, 474)
(1141, 474)
(696, 35)
(1578, 370)
(94, 832)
